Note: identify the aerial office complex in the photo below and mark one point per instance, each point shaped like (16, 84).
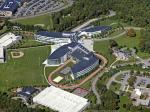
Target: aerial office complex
(71, 46)
(86, 61)
(61, 39)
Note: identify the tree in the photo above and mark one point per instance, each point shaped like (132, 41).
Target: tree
(113, 43)
(132, 80)
(131, 32)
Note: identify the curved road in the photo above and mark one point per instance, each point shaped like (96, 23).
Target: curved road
(114, 77)
(94, 87)
(112, 13)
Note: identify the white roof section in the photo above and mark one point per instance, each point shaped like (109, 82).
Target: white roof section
(60, 100)
(87, 43)
(1, 53)
(58, 79)
(8, 39)
(138, 92)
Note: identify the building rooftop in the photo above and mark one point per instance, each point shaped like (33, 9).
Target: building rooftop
(7, 39)
(80, 92)
(61, 51)
(96, 28)
(55, 34)
(84, 63)
(27, 91)
(79, 54)
(60, 100)
(10, 5)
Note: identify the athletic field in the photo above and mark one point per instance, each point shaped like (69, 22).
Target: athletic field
(24, 71)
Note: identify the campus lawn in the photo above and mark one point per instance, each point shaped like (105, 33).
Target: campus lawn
(45, 20)
(132, 42)
(118, 78)
(103, 46)
(30, 42)
(124, 100)
(24, 71)
(87, 85)
(109, 21)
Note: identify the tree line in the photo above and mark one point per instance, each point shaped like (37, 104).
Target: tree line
(81, 11)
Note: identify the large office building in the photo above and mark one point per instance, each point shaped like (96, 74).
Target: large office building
(86, 61)
(66, 37)
(60, 100)
(9, 7)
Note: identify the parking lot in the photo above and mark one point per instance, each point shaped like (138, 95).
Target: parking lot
(35, 7)
(142, 81)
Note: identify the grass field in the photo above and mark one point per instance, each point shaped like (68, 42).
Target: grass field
(45, 20)
(102, 47)
(109, 21)
(115, 86)
(124, 100)
(24, 71)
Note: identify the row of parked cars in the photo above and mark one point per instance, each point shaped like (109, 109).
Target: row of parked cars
(34, 7)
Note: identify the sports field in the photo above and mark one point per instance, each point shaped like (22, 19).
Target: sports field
(24, 71)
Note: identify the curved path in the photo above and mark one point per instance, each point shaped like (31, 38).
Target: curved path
(119, 35)
(94, 87)
(112, 13)
(113, 78)
(101, 67)
(95, 81)
(109, 38)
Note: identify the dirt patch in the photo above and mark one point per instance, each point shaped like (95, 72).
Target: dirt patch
(17, 54)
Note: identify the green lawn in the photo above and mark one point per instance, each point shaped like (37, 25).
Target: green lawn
(86, 85)
(30, 42)
(132, 42)
(24, 71)
(103, 46)
(115, 86)
(124, 100)
(119, 77)
(45, 20)
(109, 21)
